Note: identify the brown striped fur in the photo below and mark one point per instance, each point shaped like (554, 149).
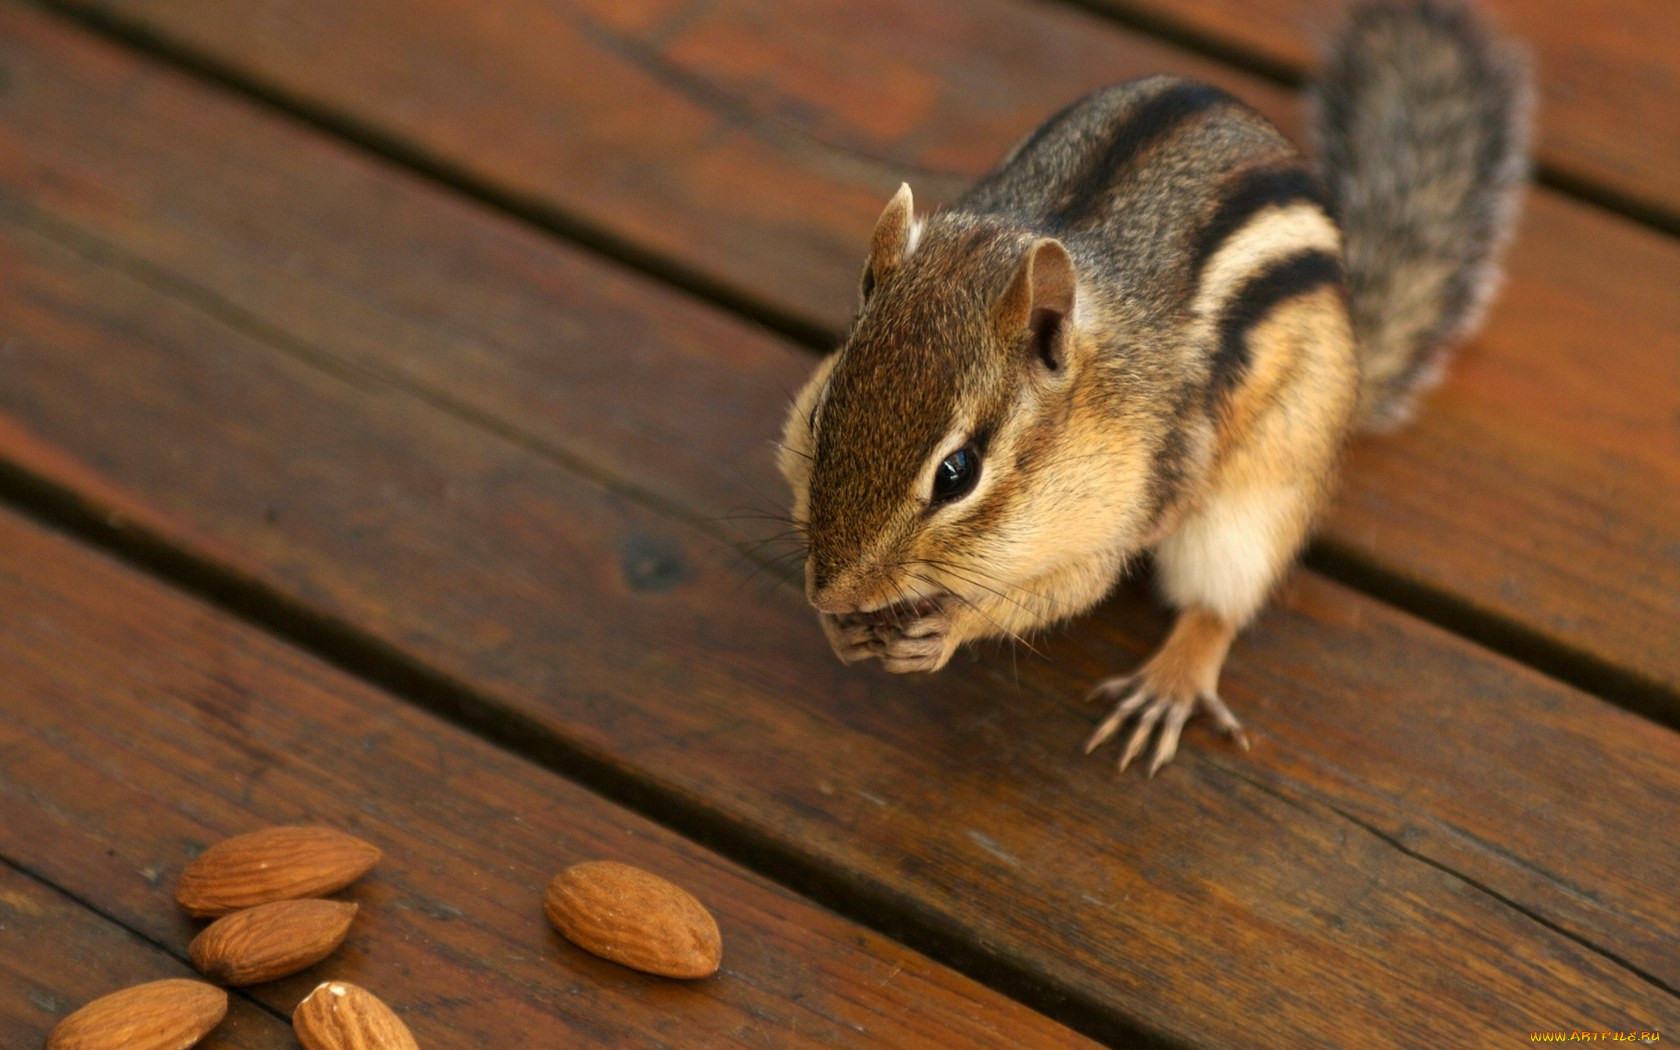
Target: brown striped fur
(1138, 326)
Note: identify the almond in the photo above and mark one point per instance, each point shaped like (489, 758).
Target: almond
(338, 1015)
(271, 940)
(634, 918)
(274, 864)
(163, 1015)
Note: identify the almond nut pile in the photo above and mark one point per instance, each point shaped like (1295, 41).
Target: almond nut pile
(265, 892)
(264, 886)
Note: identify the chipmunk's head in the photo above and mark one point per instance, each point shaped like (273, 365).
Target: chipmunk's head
(935, 457)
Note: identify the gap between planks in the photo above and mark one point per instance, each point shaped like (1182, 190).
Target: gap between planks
(133, 931)
(402, 153)
(1399, 846)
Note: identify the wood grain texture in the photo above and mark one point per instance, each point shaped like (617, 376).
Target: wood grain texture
(1606, 75)
(138, 727)
(753, 144)
(59, 956)
(438, 470)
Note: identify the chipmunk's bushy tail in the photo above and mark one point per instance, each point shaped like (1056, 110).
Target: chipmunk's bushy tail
(1422, 124)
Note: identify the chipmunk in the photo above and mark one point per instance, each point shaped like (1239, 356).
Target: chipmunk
(1151, 329)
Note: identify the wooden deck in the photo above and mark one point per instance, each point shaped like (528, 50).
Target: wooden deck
(386, 394)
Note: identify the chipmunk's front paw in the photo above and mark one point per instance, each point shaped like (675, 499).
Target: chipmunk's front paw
(924, 643)
(851, 635)
(915, 636)
(1150, 699)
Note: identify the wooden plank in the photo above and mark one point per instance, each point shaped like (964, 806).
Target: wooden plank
(60, 956)
(752, 144)
(1598, 77)
(1375, 841)
(138, 727)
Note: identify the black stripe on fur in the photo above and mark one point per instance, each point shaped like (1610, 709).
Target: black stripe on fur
(1254, 192)
(1152, 120)
(1281, 281)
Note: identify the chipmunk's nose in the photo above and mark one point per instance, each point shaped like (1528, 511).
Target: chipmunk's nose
(828, 600)
(829, 591)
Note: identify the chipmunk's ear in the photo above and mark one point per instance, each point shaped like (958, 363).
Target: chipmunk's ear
(891, 242)
(1039, 301)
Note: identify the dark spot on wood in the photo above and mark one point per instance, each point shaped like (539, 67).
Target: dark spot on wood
(48, 1003)
(651, 565)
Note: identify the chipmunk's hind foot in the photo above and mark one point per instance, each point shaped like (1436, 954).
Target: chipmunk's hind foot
(1148, 707)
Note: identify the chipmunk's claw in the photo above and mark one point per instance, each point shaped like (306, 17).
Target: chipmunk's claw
(1158, 712)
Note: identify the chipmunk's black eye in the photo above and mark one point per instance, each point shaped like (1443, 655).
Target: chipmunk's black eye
(956, 476)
